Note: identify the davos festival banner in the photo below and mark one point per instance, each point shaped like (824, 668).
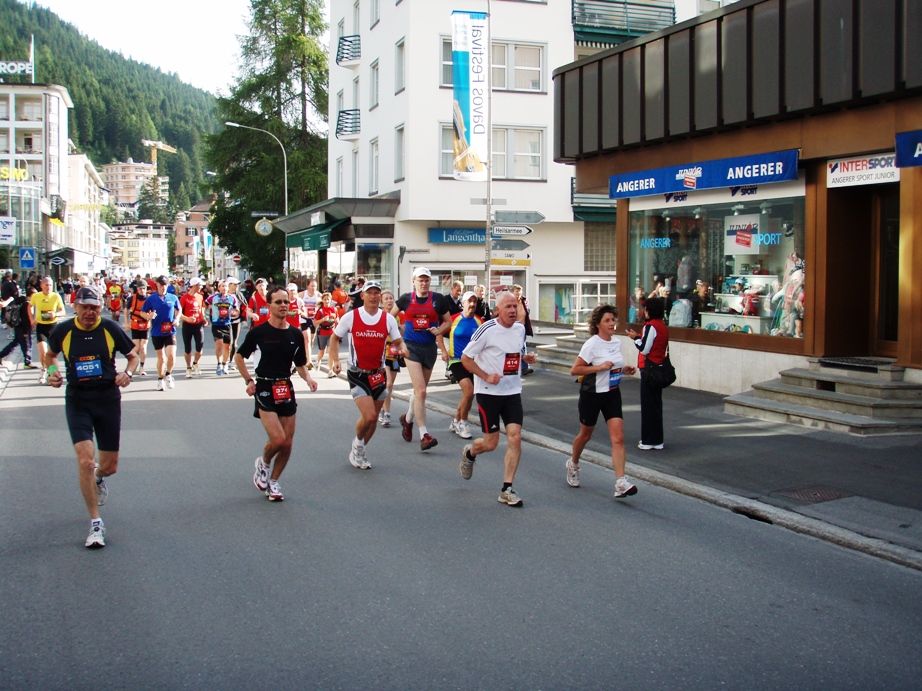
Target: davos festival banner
(471, 77)
(759, 169)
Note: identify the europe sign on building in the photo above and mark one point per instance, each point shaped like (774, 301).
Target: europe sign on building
(471, 77)
(759, 169)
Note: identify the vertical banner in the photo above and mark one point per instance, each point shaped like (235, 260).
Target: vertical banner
(471, 78)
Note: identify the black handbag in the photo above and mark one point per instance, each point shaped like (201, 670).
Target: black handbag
(658, 376)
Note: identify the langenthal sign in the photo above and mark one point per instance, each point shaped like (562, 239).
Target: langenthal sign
(15, 67)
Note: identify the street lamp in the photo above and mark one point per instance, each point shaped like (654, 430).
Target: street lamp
(284, 163)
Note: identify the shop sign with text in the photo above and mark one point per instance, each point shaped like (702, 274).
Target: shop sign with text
(909, 149)
(862, 170)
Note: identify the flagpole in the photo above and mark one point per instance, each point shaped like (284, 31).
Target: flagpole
(488, 259)
(32, 56)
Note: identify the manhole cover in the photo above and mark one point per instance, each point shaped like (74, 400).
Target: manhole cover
(813, 495)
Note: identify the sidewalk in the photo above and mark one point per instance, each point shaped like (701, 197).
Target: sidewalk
(861, 493)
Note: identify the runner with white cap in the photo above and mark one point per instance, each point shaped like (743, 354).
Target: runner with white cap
(193, 324)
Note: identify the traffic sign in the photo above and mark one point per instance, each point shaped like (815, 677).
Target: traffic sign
(236, 258)
(57, 261)
(510, 245)
(27, 257)
(518, 217)
(511, 262)
(512, 230)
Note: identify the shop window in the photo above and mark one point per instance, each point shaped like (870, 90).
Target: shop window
(732, 267)
(373, 261)
(599, 246)
(571, 302)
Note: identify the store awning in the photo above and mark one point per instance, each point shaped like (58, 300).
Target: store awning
(314, 238)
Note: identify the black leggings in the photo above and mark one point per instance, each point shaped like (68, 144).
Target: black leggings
(651, 415)
(190, 331)
(235, 330)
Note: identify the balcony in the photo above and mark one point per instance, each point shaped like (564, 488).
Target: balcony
(349, 124)
(349, 51)
(617, 21)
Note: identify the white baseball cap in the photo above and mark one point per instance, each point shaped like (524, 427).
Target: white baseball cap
(232, 279)
(468, 295)
(291, 286)
(421, 271)
(195, 281)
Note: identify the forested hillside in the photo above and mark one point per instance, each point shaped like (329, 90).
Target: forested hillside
(117, 101)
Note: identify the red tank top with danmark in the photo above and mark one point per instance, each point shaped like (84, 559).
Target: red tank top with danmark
(368, 340)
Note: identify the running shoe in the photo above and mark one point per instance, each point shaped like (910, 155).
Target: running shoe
(453, 427)
(44, 378)
(261, 476)
(102, 492)
(219, 370)
(384, 419)
(169, 381)
(648, 447)
(407, 428)
(274, 492)
(230, 368)
(142, 372)
(188, 373)
(509, 497)
(623, 488)
(331, 374)
(97, 537)
(467, 464)
(572, 474)
(357, 457)
(196, 370)
(160, 386)
(29, 365)
(427, 442)
(463, 431)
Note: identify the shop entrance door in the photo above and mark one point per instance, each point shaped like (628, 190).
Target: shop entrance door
(886, 291)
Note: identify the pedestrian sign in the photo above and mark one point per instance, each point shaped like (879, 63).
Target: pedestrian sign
(27, 257)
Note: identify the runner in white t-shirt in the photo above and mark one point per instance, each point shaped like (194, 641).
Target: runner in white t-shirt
(370, 328)
(311, 299)
(601, 366)
(495, 355)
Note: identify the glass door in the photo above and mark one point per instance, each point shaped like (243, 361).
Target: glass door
(887, 287)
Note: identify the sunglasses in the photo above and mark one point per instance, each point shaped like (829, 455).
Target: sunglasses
(280, 302)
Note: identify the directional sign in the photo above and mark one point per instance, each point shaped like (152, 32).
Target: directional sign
(510, 245)
(512, 230)
(511, 262)
(518, 217)
(27, 257)
(57, 261)
(264, 214)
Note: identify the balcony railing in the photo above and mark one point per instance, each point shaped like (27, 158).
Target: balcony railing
(616, 21)
(349, 124)
(349, 50)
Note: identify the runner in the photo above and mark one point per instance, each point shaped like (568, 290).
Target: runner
(426, 317)
(46, 307)
(92, 401)
(325, 319)
(258, 308)
(223, 306)
(393, 361)
(193, 325)
(232, 285)
(295, 307)
(114, 296)
(163, 312)
(453, 300)
(495, 355)
(281, 346)
(463, 326)
(311, 299)
(370, 328)
(140, 325)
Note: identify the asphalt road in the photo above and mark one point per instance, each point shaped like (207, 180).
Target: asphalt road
(406, 576)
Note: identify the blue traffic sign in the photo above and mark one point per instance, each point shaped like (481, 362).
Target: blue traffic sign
(27, 257)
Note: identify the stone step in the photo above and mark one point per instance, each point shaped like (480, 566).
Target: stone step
(838, 381)
(865, 406)
(859, 368)
(749, 405)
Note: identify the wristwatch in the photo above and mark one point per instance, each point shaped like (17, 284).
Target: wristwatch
(130, 374)
(251, 381)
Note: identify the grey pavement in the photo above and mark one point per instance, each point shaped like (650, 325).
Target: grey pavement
(407, 576)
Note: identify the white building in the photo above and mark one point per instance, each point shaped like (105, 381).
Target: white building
(141, 248)
(125, 181)
(393, 203)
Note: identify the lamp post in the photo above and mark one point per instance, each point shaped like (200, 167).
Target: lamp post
(284, 163)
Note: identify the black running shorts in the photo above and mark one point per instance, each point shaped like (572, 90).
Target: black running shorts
(493, 408)
(95, 412)
(592, 403)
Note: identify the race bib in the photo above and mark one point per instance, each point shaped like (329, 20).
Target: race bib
(88, 367)
(614, 378)
(392, 350)
(376, 379)
(264, 310)
(311, 310)
(420, 323)
(512, 363)
(166, 327)
(223, 312)
(281, 391)
(46, 315)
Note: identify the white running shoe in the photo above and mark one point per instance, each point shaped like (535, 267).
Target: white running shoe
(453, 427)
(97, 537)
(385, 418)
(219, 370)
(572, 474)
(169, 381)
(261, 476)
(188, 373)
(464, 430)
(509, 497)
(649, 447)
(160, 386)
(142, 372)
(357, 457)
(274, 492)
(467, 464)
(102, 492)
(44, 378)
(623, 488)
(196, 370)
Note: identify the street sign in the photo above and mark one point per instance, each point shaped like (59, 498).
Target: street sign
(512, 245)
(511, 262)
(264, 214)
(27, 257)
(57, 261)
(518, 217)
(236, 258)
(512, 230)
(7, 230)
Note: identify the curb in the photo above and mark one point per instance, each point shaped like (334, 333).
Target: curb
(750, 508)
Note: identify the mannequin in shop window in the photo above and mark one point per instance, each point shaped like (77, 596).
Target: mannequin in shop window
(789, 300)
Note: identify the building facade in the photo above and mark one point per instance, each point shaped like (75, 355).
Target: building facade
(193, 241)
(393, 201)
(769, 152)
(140, 248)
(125, 182)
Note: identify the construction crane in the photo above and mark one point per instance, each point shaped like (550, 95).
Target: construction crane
(154, 145)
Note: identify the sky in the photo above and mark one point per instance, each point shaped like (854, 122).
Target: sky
(197, 39)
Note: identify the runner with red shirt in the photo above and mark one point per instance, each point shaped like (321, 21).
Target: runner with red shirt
(193, 325)
(370, 328)
(325, 319)
(258, 310)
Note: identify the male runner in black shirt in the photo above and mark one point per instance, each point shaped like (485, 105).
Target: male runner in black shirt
(280, 345)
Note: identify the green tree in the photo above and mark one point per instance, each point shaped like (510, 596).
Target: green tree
(282, 89)
(151, 204)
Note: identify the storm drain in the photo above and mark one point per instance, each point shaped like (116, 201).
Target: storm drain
(815, 494)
